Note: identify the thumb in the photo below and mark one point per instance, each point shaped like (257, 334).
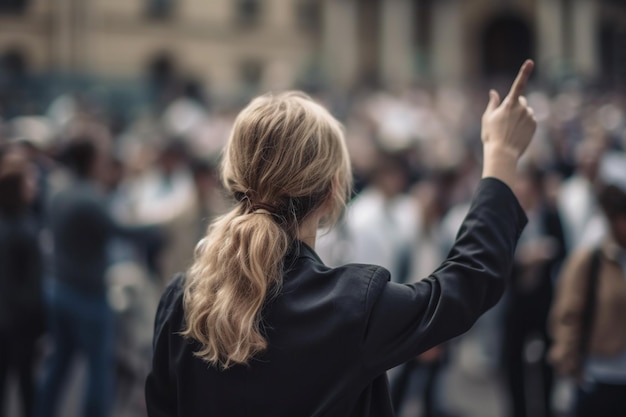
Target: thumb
(494, 101)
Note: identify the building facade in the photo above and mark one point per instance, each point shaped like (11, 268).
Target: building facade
(272, 44)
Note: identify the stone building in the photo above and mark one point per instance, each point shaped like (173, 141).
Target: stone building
(233, 44)
(400, 41)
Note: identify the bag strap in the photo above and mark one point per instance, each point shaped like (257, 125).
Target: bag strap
(590, 302)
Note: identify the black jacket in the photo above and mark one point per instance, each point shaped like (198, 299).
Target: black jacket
(21, 304)
(333, 332)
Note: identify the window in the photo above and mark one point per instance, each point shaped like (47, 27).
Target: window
(251, 73)
(160, 9)
(13, 63)
(612, 54)
(248, 12)
(309, 15)
(13, 6)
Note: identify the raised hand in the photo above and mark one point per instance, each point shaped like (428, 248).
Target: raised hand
(507, 128)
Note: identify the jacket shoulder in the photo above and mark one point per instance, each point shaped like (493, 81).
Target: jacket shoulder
(170, 308)
(371, 279)
(578, 262)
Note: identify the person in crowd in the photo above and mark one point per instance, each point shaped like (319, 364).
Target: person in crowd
(166, 195)
(539, 254)
(209, 200)
(582, 218)
(382, 219)
(425, 256)
(21, 304)
(260, 326)
(587, 319)
(42, 165)
(80, 318)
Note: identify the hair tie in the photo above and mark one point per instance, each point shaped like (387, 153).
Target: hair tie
(269, 209)
(262, 211)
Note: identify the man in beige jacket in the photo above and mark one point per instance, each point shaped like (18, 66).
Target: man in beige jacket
(597, 359)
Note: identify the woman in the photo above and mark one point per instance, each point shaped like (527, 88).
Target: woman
(259, 326)
(21, 306)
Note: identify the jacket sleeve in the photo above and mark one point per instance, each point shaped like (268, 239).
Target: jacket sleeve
(160, 390)
(565, 321)
(405, 320)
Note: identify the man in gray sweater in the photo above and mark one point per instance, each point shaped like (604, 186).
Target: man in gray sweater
(80, 318)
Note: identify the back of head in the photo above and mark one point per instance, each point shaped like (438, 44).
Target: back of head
(14, 166)
(286, 157)
(12, 201)
(79, 156)
(391, 173)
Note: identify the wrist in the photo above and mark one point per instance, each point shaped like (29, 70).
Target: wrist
(500, 151)
(501, 163)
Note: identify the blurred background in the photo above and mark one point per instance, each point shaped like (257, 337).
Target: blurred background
(113, 114)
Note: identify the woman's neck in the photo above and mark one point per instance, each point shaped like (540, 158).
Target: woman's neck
(307, 231)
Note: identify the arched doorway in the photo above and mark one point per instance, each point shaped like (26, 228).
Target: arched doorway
(613, 54)
(506, 42)
(13, 6)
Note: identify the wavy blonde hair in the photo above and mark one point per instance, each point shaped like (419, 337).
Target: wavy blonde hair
(286, 157)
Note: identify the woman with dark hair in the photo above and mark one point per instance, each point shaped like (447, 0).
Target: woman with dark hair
(259, 326)
(21, 309)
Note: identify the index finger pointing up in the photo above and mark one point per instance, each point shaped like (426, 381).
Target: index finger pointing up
(519, 85)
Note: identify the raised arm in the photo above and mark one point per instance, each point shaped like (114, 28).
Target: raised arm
(405, 320)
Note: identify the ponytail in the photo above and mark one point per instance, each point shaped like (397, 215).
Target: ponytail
(237, 267)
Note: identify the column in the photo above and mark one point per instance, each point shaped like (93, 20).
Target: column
(83, 27)
(585, 55)
(62, 54)
(339, 42)
(549, 35)
(279, 14)
(396, 43)
(448, 59)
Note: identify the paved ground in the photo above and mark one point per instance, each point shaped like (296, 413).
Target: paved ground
(472, 384)
(464, 388)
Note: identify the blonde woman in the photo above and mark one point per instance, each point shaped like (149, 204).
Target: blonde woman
(259, 326)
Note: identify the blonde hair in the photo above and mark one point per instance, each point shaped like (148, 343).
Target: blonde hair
(286, 157)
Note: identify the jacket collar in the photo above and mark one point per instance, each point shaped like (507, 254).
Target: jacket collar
(299, 249)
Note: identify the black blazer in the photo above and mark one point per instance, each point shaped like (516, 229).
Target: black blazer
(333, 332)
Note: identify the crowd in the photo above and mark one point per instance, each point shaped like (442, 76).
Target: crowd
(96, 217)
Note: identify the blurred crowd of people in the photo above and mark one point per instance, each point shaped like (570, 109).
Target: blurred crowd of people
(418, 158)
(95, 218)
